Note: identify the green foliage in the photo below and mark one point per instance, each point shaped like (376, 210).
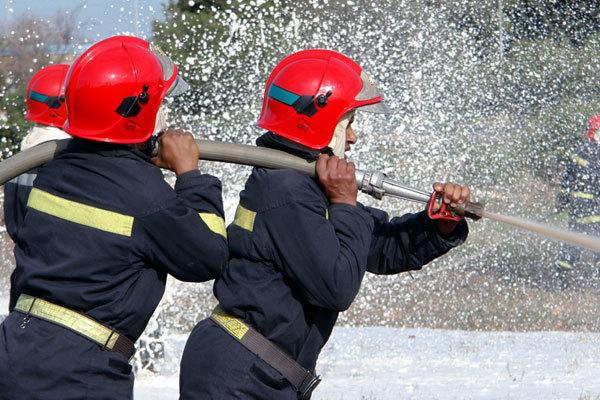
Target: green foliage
(573, 20)
(13, 125)
(198, 34)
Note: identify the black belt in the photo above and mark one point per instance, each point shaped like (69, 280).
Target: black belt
(79, 323)
(303, 381)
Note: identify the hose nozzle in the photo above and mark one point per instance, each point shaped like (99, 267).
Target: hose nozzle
(472, 210)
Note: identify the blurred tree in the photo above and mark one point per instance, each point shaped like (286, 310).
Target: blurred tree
(26, 45)
(574, 20)
(236, 34)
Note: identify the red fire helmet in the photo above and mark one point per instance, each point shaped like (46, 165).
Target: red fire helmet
(44, 103)
(593, 126)
(309, 91)
(115, 88)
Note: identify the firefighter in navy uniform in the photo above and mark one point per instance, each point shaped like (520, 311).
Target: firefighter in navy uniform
(44, 108)
(102, 230)
(580, 196)
(299, 247)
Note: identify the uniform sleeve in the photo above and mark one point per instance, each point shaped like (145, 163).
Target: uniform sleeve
(323, 251)
(409, 242)
(187, 236)
(16, 193)
(567, 183)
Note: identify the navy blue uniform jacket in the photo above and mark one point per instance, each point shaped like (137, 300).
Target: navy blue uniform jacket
(296, 260)
(580, 188)
(16, 192)
(102, 229)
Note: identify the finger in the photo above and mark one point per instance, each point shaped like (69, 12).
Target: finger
(438, 187)
(351, 168)
(342, 167)
(332, 164)
(321, 166)
(456, 194)
(465, 195)
(448, 191)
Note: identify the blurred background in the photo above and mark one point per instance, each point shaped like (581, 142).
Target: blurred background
(491, 93)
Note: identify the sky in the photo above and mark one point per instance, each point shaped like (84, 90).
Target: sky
(98, 18)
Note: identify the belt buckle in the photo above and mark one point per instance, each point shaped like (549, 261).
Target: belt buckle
(307, 386)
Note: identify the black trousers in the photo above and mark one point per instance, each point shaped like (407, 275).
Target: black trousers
(43, 361)
(215, 366)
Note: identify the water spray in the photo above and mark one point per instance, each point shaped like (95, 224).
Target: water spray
(375, 184)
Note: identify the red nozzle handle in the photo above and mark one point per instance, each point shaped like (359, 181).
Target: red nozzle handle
(444, 212)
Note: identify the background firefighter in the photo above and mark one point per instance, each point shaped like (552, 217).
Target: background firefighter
(102, 230)
(301, 246)
(580, 197)
(44, 108)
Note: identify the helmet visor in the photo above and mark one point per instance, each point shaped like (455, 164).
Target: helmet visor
(179, 86)
(370, 91)
(377, 108)
(167, 65)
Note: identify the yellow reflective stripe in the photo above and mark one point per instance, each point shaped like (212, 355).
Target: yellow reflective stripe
(589, 220)
(234, 326)
(326, 214)
(104, 220)
(581, 161)
(564, 265)
(582, 195)
(69, 319)
(214, 223)
(244, 218)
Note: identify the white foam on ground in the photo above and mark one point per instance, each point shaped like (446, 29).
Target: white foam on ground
(387, 363)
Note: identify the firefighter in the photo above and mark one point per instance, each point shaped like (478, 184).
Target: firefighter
(299, 247)
(102, 230)
(48, 113)
(46, 109)
(580, 197)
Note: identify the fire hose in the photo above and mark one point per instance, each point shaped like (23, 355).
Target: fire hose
(375, 184)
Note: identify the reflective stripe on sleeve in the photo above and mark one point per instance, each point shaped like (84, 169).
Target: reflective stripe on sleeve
(581, 161)
(244, 218)
(583, 195)
(592, 219)
(214, 223)
(82, 214)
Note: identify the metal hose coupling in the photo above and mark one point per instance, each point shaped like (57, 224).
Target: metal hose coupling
(371, 183)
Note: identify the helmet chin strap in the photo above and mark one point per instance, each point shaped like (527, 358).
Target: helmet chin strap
(338, 141)
(150, 146)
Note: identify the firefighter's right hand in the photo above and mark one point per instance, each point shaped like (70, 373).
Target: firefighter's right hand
(177, 151)
(338, 179)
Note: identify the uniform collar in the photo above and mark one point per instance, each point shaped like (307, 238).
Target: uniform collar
(277, 142)
(106, 149)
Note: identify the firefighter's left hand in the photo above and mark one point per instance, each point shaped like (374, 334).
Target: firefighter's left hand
(452, 194)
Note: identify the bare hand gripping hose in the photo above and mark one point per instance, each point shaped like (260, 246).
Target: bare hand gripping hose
(375, 183)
